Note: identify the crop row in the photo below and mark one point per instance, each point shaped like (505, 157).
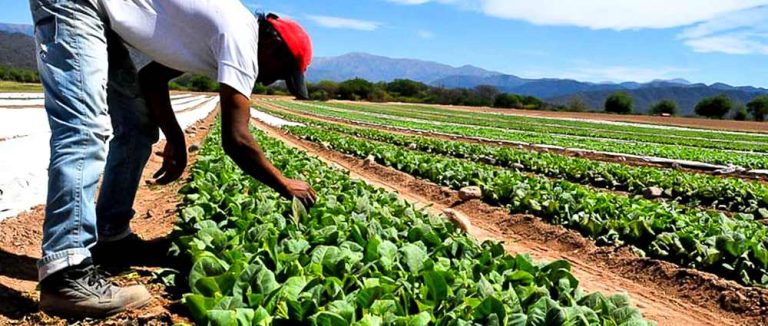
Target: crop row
(735, 248)
(755, 161)
(658, 136)
(361, 256)
(618, 126)
(731, 194)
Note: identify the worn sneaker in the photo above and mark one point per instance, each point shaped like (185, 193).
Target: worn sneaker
(84, 292)
(133, 251)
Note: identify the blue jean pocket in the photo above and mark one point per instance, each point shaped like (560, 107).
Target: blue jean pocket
(46, 31)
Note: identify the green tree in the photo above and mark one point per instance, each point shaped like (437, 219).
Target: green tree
(577, 104)
(619, 102)
(665, 106)
(508, 101)
(405, 88)
(714, 106)
(758, 107)
(355, 89)
(740, 113)
(202, 83)
(258, 88)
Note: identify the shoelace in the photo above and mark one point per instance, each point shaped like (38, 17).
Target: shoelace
(97, 279)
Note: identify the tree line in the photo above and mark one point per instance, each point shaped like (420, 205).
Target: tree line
(409, 91)
(713, 107)
(19, 75)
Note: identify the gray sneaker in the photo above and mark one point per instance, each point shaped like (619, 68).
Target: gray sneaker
(84, 292)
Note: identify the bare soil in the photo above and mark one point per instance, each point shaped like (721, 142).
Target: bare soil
(572, 153)
(156, 212)
(664, 292)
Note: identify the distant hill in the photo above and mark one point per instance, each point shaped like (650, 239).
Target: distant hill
(378, 68)
(558, 91)
(17, 50)
(18, 28)
(686, 96)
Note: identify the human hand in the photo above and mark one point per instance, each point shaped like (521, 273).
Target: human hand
(300, 190)
(174, 162)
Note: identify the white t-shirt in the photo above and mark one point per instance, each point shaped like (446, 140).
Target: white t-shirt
(218, 38)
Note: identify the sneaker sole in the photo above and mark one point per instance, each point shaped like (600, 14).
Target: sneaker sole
(91, 314)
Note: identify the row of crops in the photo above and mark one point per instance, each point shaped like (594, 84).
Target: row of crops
(728, 194)
(434, 124)
(708, 139)
(361, 256)
(734, 247)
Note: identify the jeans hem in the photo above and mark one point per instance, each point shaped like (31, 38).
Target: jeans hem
(117, 236)
(58, 261)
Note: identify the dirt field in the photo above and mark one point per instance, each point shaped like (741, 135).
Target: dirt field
(155, 207)
(663, 291)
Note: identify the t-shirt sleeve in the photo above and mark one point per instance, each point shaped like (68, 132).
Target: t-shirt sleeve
(237, 60)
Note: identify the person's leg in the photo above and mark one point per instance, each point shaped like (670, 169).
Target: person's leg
(134, 134)
(72, 61)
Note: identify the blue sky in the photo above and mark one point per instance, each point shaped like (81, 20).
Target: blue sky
(593, 40)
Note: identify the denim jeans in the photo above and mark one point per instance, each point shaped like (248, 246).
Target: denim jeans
(91, 94)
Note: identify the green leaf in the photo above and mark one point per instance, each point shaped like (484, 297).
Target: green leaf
(298, 211)
(437, 285)
(489, 306)
(222, 318)
(414, 257)
(326, 318)
(387, 252)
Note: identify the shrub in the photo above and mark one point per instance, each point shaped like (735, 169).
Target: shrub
(665, 106)
(714, 107)
(619, 102)
(758, 107)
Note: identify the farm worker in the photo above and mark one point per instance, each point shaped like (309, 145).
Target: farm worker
(93, 91)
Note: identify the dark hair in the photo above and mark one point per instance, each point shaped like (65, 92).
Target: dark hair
(265, 27)
(268, 33)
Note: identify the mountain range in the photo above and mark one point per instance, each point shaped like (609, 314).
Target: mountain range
(17, 50)
(557, 91)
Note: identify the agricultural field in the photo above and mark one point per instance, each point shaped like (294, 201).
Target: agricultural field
(428, 216)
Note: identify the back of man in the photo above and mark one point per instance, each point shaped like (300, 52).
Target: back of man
(218, 38)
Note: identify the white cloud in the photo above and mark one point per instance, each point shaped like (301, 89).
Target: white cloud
(615, 14)
(344, 23)
(425, 34)
(604, 14)
(742, 32)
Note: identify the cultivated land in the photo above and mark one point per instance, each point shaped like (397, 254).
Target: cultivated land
(403, 246)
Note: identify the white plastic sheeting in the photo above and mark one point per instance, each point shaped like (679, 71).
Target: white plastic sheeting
(22, 122)
(272, 120)
(21, 102)
(21, 96)
(25, 153)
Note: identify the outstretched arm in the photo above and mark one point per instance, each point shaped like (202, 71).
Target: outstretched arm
(153, 80)
(239, 144)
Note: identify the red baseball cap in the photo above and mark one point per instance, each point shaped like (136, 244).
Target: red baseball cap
(300, 45)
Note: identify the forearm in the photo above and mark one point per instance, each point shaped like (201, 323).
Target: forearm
(247, 154)
(240, 145)
(153, 81)
(159, 104)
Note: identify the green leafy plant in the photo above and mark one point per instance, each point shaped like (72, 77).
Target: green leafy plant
(361, 256)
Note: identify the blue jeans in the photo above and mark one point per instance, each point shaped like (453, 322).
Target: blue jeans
(89, 81)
